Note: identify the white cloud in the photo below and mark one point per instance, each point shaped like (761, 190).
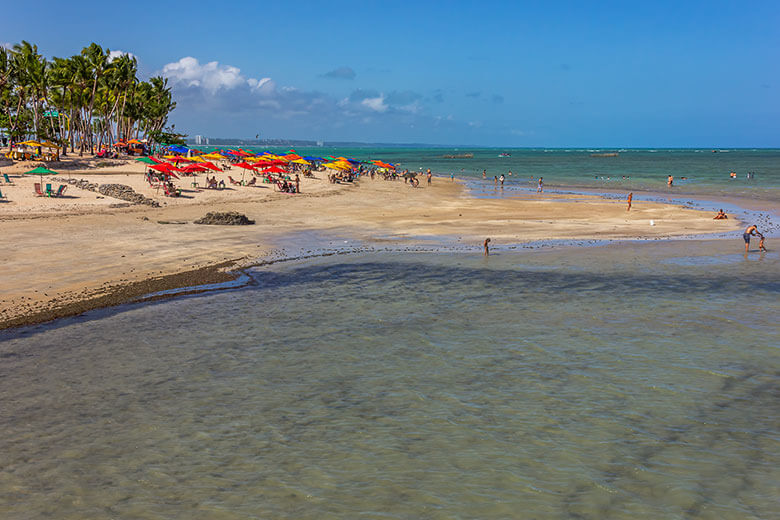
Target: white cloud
(376, 104)
(112, 55)
(211, 76)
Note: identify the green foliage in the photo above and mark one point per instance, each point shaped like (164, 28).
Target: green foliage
(168, 136)
(99, 99)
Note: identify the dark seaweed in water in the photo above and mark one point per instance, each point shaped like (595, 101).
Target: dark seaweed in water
(230, 218)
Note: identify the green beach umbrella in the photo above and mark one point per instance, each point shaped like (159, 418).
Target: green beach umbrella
(40, 170)
(146, 160)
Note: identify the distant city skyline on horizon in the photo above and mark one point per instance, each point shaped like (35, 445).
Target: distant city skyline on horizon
(561, 74)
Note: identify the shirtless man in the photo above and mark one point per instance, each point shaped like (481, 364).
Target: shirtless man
(752, 230)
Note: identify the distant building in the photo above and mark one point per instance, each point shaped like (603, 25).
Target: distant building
(198, 139)
(320, 143)
(207, 140)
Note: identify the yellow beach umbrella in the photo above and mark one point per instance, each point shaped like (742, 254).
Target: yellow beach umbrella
(213, 155)
(301, 161)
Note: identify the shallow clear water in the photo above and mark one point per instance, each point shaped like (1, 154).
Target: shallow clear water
(614, 382)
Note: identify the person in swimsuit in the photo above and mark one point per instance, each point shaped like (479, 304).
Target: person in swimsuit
(761, 243)
(630, 198)
(752, 230)
(670, 181)
(720, 216)
(487, 248)
(540, 187)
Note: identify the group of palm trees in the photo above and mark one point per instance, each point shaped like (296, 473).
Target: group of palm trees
(84, 102)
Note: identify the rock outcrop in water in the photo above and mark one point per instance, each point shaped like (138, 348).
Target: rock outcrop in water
(230, 218)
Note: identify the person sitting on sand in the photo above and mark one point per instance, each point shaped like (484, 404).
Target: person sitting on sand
(720, 216)
(752, 230)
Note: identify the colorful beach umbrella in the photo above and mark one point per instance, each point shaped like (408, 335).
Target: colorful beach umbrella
(273, 169)
(146, 160)
(41, 171)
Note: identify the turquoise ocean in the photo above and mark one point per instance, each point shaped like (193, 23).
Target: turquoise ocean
(703, 172)
(630, 380)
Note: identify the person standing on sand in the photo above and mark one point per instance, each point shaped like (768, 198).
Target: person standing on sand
(297, 183)
(430, 175)
(630, 198)
(540, 188)
(752, 230)
(487, 248)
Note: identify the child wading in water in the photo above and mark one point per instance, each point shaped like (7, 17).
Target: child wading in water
(761, 243)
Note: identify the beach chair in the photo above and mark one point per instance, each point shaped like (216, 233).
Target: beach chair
(60, 191)
(48, 191)
(38, 191)
(7, 179)
(233, 181)
(253, 182)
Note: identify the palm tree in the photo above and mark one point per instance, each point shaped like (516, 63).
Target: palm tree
(98, 63)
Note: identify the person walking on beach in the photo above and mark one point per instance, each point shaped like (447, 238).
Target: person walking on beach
(487, 248)
(630, 198)
(540, 188)
(752, 230)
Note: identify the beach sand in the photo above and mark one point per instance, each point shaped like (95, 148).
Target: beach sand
(67, 255)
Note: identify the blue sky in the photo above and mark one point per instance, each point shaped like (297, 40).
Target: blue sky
(662, 73)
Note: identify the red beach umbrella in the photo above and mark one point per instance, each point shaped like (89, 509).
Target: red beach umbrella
(274, 169)
(211, 166)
